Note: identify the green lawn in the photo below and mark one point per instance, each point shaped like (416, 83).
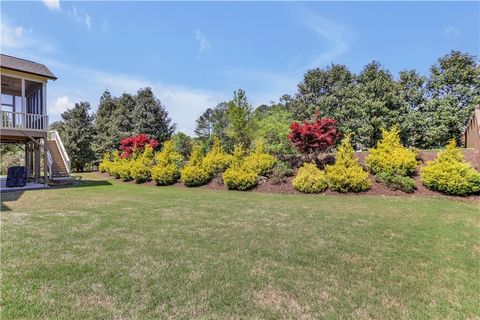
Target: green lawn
(113, 250)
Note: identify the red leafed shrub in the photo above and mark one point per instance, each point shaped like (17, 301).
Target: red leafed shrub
(313, 137)
(133, 144)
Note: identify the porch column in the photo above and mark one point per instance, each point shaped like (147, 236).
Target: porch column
(23, 95)
(44, 105)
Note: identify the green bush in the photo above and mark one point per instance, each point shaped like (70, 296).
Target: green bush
(273, 127)
(259, 162)
(396, 182)
(281, 171)
(390, 156)
(346, 174)
(216, 160)
(310, 179)
(239, 178)
(450, 174)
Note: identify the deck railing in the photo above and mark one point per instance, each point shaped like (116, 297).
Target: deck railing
(24, 121)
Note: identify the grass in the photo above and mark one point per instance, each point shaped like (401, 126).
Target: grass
(115, 250)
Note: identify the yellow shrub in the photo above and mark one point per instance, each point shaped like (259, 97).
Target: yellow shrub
(105, 163)
(194, 176)
(113, 164)
(390, 156)
(238, 178)
(239, 154)
(140, 167)
(449, 173)
(123, 170)
(168, 155)
(216, 160)
(346, 174)
(310, 179)
(168, 164)
(165, 175)
(139, 171)
(259, 161)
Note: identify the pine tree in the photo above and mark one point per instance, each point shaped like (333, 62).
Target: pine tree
(104, 125)
(78, 133)
(150, 117)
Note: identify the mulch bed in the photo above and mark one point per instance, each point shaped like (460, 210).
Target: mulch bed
(266, 186)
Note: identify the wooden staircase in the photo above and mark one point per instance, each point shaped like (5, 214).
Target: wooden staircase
(58, 165)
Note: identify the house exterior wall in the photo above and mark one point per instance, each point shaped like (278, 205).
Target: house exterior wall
(472, 133)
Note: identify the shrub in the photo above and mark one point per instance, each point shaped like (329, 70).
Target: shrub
(310, 179)
(259, 162)
(165, 175)
(140, 166)
(123, 170)
(273, 126)
(168, 164)
(313, 137)
(239, 178)
(216, 160)
(139, 171)
(239, 154)
(281, 171)
(193, 176)
(450, 174)
(136, 144)
(105, 163)
(114, 166)
(168, 155)
(390, 156)
(346, 174)
(396, 182)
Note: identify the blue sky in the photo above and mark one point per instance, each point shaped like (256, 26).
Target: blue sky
(195, 54)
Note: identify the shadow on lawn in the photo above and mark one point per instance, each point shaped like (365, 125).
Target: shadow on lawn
(9, 196)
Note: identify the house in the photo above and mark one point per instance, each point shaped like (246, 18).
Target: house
(472, 133)
(25, 118)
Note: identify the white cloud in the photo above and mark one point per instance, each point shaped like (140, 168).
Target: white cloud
(80, 16)
(452, 30)
(203, 44)
(60, 105)
(336, 36)
(52, 4)
(88, 21)
(16, 39)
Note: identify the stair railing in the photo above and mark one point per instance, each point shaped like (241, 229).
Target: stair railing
(66, 160)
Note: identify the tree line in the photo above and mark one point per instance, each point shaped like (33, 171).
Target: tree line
(428, 110)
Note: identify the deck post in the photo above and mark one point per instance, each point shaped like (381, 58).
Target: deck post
(37, 162)
(45, 163)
